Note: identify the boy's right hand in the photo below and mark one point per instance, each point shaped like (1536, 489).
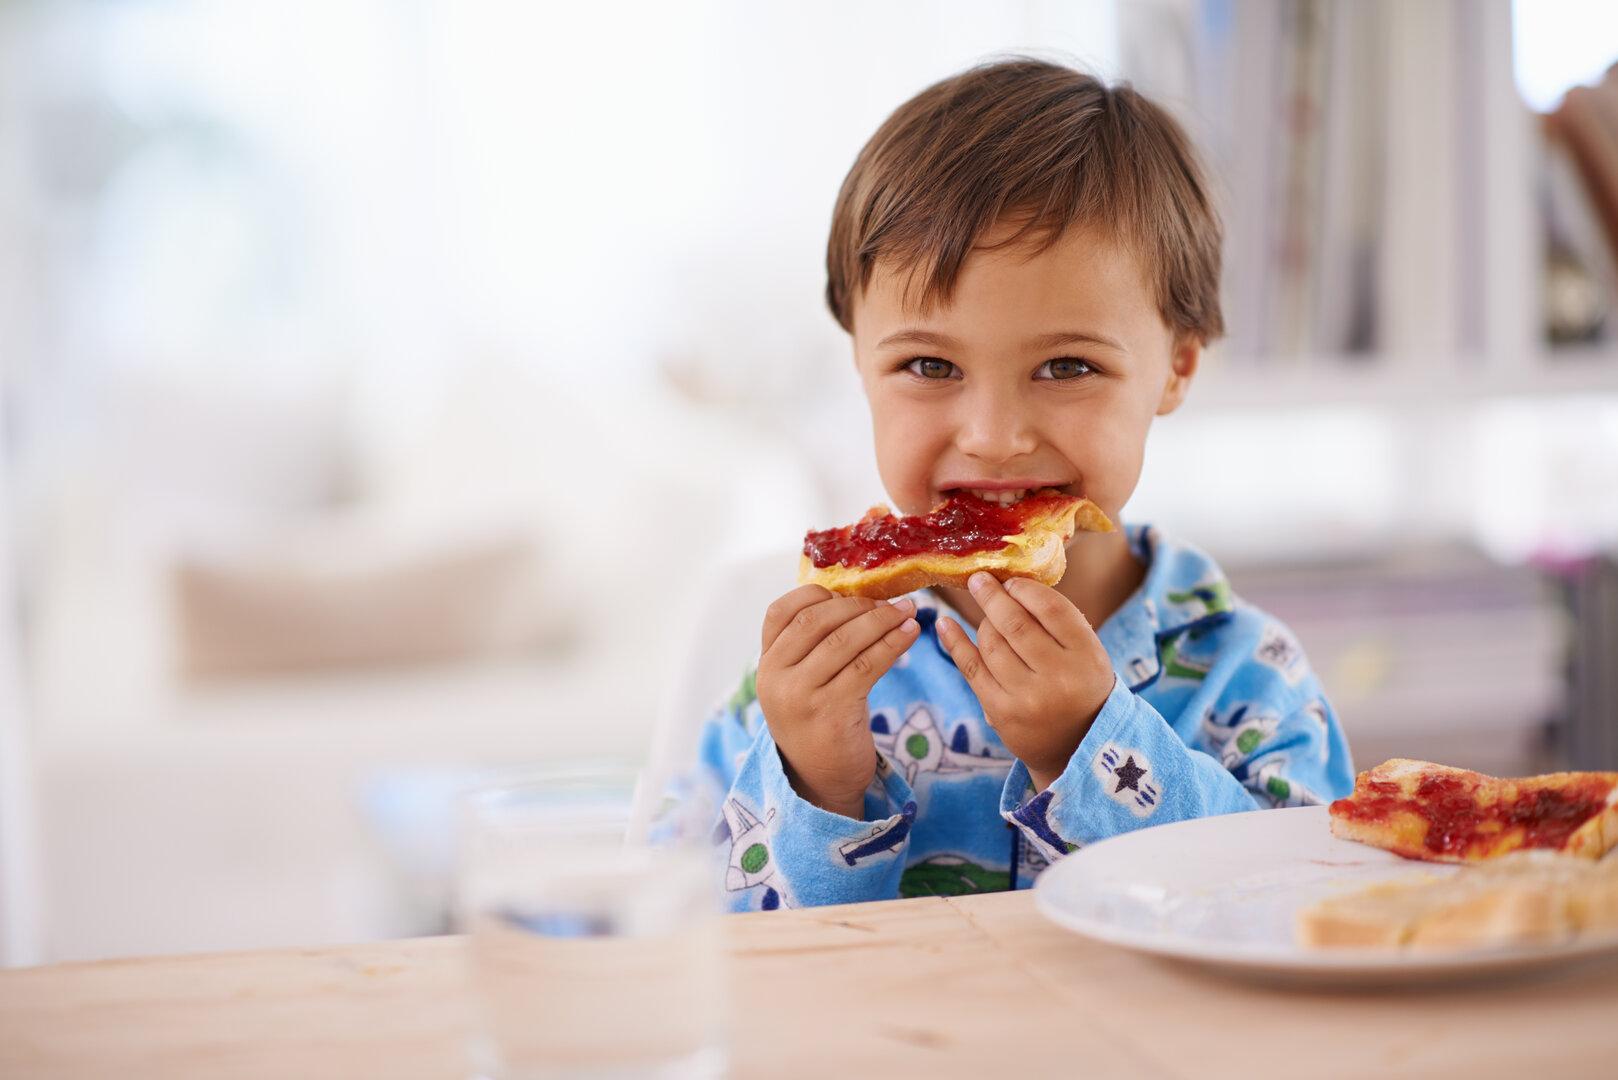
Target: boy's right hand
(822, 654)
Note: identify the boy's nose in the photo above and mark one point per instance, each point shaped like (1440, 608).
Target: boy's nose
(995, 428)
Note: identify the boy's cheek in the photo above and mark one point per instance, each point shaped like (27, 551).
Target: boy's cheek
(906, 456)
(1111, 462)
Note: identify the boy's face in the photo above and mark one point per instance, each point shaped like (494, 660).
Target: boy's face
(986, 403)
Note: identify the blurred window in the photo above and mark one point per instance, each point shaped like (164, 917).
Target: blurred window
(1558, 44)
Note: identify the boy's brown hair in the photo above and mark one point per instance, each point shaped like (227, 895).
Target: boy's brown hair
(1042, 146)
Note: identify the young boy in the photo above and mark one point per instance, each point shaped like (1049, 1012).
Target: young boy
(1028, 264)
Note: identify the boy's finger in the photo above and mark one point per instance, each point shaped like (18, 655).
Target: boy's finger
(1016, 624)
(785, 608)
(862, 672)
(1060, 617)
(846, 644)
(1002, 660)
(812, 624)
(968, 660)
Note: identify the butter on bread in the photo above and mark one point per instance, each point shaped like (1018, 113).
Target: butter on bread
(1524, 897)
(1038, 551)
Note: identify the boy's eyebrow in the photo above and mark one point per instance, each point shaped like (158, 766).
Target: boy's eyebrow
(1043, 341)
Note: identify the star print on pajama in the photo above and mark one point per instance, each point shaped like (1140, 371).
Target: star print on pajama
(1132, 772)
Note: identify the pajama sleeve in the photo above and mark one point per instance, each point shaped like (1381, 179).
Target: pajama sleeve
(1133, 769)
(777, 849)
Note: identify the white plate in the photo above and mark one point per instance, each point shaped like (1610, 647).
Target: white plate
(1224, 891)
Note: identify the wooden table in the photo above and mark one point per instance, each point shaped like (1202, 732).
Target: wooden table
(979, 986)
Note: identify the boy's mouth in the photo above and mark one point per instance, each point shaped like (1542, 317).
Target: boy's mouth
(1005, 496)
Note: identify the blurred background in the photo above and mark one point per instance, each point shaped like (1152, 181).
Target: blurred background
(384, 382)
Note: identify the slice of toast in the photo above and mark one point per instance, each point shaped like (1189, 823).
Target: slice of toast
(1425, 811)
(1528, 896)
(1038, 551)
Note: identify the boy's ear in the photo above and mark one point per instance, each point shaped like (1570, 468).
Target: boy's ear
(1183, 363)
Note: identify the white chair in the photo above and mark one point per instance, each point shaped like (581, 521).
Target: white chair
(20, 913)
(722, 635)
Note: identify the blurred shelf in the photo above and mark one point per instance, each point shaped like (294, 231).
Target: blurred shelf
(1236, 383)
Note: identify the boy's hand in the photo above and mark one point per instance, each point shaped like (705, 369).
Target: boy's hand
(822, 654)
(1038, 669)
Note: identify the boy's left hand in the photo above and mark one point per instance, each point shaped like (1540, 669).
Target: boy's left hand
(1038, 669)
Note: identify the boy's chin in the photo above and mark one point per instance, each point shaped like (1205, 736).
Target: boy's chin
(1090, 539)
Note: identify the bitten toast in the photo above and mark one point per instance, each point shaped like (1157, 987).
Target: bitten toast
(882, 555)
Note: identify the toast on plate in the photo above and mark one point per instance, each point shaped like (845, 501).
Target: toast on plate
(1425, 811)
(1521, 898)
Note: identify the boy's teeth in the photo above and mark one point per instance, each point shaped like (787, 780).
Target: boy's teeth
(1005, 498)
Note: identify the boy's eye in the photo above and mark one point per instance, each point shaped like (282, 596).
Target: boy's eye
(930, 367)
(1063, 369)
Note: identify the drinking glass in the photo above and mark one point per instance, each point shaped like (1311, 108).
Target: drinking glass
(592, 952)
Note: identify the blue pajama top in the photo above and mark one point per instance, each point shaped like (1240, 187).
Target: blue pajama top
(1214, 709)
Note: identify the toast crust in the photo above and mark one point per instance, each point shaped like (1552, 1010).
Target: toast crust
(1038, 552)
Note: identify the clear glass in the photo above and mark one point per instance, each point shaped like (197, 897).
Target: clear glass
(591, 953)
